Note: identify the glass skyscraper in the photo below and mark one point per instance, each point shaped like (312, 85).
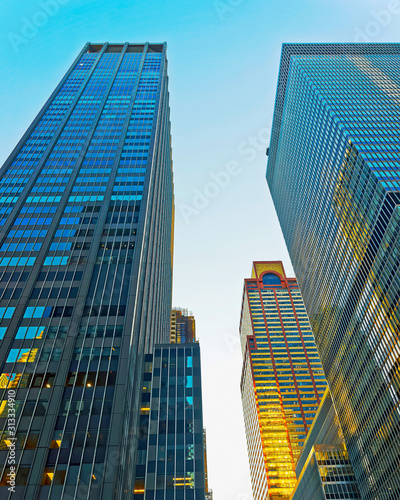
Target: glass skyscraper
(333, 172)
(86, 204)
(282, 379)
(171, 461)
(323, 470)
(172, 455)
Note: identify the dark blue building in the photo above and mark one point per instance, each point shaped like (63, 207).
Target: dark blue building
(171, 455)
(86, 204)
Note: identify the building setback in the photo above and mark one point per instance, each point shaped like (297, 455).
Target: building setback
(323, 469)
(333, 172)
(282, 378)
(86, 200)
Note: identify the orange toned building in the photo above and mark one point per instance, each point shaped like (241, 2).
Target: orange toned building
(282, 379)
(183, 327)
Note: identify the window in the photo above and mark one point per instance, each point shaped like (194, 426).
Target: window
(55, 261)
(6, 312)
(31, 332)
(271, 279)
(37, 312)
(22, 355)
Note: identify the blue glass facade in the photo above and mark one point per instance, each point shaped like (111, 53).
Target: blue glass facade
(333, 172)
(171, 456)
(86, 200)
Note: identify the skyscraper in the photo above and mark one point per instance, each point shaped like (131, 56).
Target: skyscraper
(323, 469)
(85, 271)
(171, 462)
(333, 172)
(183, 326)
(282, 378)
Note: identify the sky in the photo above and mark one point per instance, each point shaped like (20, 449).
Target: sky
(223, 67)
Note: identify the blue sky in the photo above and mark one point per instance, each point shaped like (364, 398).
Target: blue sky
(223, 66)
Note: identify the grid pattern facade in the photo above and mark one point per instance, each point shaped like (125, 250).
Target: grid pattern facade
(328, 475)
(335, 155)
(325, 430)
(255, 449)
(183, 327)
(282, 377)
(170, 463)
(85, 273)
(323, 469)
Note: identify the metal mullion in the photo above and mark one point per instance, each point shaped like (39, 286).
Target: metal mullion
(76, 425)
(105, 207)
(37, 170)
(36, 402)
(82, 154)
(158, 415)
(156, 247)
(46, 106)
(108, 265)
(148, 194)
(176, 416)
(166, 426)
(24, 401)
(64, 428)
(159, 410)
(165, 185)
(152, 234)
(86, 284)
(107, 275)
(122, 278)
(65, 196)
(91, 407)
(127, 226)
(101, 415)
(161, 189)
(273, 362)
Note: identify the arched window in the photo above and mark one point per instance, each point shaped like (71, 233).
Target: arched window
(271, 279)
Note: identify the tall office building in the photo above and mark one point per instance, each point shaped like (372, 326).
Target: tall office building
(85, 268)
(183, 326)
(282, 378)
(171, 457)
(323, 469)
(333, 172)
